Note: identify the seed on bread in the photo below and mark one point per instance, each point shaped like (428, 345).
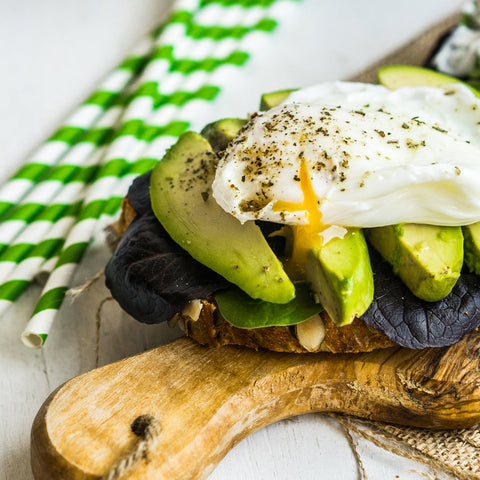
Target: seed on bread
(311, 333)
(193, 309)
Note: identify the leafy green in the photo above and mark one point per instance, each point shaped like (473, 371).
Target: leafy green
(244, 312)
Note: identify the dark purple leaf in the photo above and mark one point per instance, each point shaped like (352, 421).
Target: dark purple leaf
(151, 277)
(415, 323)
(139, 194)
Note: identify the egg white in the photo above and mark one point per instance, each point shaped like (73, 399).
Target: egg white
(374, 157)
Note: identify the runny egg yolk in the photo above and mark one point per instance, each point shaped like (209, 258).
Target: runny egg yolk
(305, 237)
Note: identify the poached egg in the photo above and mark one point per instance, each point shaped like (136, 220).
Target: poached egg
(343, 154)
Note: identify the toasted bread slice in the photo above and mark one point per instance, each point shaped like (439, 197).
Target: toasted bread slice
(209, 328)
(202, 321)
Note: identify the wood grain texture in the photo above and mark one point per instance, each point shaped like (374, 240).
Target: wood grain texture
(207, 400)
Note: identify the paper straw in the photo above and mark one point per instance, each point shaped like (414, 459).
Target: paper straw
(75, 127)
(23, 261)
(57, 285)
(45, 202)
(68, 167)
(31, 259)
(38, 260)
(54, 291)
(19, 266)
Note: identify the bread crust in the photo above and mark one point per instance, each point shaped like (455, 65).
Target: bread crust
(210, 328)
(116, 230)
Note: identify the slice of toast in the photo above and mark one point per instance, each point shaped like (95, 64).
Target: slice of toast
(211, 329)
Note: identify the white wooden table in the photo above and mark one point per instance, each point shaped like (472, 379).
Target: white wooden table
(53, 52)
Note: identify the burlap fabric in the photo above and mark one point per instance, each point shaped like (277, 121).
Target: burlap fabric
(456, 452)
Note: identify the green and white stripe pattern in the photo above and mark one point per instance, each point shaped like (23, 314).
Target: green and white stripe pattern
(187, 70)
(64, 186)
(40, 203)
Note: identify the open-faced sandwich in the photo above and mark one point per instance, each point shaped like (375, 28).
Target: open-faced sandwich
(341, 217)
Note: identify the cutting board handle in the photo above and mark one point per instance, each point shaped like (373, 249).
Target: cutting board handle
(197, 403)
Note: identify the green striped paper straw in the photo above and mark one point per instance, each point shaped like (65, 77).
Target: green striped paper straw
(39, 229)
(61, 185)
(32, 235)
(23, 273)
(73, 169)
(54, 291)
(74, 128)
(22, 261)
(37, 259)
(45, 204)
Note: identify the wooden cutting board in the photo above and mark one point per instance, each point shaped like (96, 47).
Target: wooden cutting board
(200, 402)
(204, 401)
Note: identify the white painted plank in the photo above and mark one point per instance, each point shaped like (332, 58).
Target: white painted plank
(24, 385)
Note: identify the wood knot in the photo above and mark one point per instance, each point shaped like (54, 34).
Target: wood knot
(147, 428)
(142, 424)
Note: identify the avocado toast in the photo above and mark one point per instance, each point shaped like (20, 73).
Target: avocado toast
(356, 301)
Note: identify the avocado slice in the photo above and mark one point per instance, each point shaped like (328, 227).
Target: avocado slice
(273, 99)
(427, 258)
(396, 76)
(340, 276)
(471, 245)
(182, 202)
(222, 132)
